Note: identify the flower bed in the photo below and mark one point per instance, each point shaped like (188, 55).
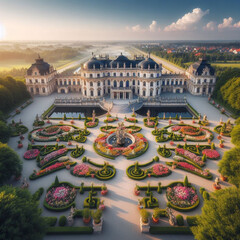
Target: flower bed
(224, 129)
(31, 154)
(131, 120)
(105, 172)
(110, 119)
(184, 165)
(152, 122)
(182, 198)
(157, 170)
(190, 156)
(211, 154)
(164, 152)
(52, 156)
(17, 129)
(53, 168)
(90, 124)
(60, 197)
(139, 147)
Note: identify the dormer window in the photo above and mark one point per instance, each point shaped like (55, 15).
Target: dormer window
(35, 73)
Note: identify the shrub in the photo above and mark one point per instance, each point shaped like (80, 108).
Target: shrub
(69, 230)
(62, 221)
(180, 221)
(38, 194)
(206, 195)
(201, 190)
(51, 221)
(96, 215)
(192, 221)
(86, 213)
(185, 182)
(5, 132)
(144, 214)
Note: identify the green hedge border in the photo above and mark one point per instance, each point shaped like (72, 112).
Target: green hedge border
(170, 230)
(69, 230)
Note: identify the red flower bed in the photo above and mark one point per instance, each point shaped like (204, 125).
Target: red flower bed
(31, 154)
(211, 153)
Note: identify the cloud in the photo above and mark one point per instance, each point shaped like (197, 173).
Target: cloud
(153, 27)
(187, 21)
(228, 24)
(211, 26)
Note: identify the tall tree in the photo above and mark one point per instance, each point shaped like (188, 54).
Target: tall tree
(5, 132)
(20, 216)
(220, 216)
(235, 134)
(10, 163)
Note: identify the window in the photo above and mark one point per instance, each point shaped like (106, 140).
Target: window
(198, 90)
(31, 90)
(90, 75)
(98, 83)
(144, 84)
(35, 73)
(163, 83)
(151, 93)
(181, 82)
(121, 83)
(114, 74)
(109, 82)
(30, 80)
(158, 75)
(43, 89)
(134, 74)
(198, 81)
(85, 92)
(172, 82)
(99, 92)
(133, 82)
(91, 84)
(144, 75)
(109, 74)
(127, 83)
(127, 74)
(69, 82)
(151, 84)
(144, 93)
(91, 93)
(205, 80)
(65, 82)
(115, 83)
(121, 74)
(211, 80)
(73, 82)
(36, 81)
(138, 74)
(98, 75)
(151, 75)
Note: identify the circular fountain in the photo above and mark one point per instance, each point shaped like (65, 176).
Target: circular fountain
(120, 138)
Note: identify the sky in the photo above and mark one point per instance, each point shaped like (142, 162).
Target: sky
(114, 20)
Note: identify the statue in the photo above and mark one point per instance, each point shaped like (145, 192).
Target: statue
(217, 181)
(24, 184)
(148, 116)
(93, 116)
(120, 134)
(133, 111)
(172, 218)
(205, 117)
(70, 218)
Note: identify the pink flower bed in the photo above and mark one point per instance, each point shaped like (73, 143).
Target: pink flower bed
(189, 155)
(31, 154)
(52, 155)
(90, 123)
(192, 168)
(211, 153)
(176, 128)
(81, 169)
(65, 128)
(160, 170)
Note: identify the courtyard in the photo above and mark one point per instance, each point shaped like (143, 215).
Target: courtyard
(121, 216)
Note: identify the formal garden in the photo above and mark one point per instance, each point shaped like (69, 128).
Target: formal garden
(81, 171)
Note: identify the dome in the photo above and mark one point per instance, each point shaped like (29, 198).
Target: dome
(43, 67)
(93, 63)
(120, 61)
(148, 64)
(199, 67)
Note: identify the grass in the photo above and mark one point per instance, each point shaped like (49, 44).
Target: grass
(227, 64)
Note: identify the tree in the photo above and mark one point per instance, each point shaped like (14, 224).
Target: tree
(220, 216)
(229, 165)
(10, 163)
(5, 132)
(235, 134)
(20, 216)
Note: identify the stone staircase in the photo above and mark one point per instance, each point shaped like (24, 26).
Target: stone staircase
(125, 107)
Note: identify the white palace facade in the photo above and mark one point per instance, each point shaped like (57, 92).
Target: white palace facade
(121, 78)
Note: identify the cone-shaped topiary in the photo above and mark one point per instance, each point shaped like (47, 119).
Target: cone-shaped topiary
(185, 182)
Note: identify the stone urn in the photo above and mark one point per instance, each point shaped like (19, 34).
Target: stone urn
(97, 227)
(144, 227)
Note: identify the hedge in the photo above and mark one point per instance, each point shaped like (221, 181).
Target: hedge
(51, 221)
(37, 195)
(89, 120)
(102, 154)
(58, 209)
(170, 230)
(47, 111)
(69, 230)
(19, 129)
(62, 221)
(180, 221)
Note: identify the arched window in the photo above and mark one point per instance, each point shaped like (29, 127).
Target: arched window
(98, 83)
(31, 90)
(151, 84)
(144, 93)
(151, 93)
(43, 90)
(109, 82)
(90, 75)
(198, 90)
(144, 75)
(151, 75)
(98, 75)
(91, 93)
(99, 92)
(114, 74)
(115, 83)
(127, 83)
(144, 84)
(133, 82)
(91, 84)
(127, 74)
(121, 74)
(121, 83)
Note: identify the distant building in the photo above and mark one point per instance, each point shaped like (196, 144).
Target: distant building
(120, 78)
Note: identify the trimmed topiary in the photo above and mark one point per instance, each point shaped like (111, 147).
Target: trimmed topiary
(62, 221)
(180, 221)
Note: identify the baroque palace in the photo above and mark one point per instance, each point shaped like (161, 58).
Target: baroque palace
(121, 78)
